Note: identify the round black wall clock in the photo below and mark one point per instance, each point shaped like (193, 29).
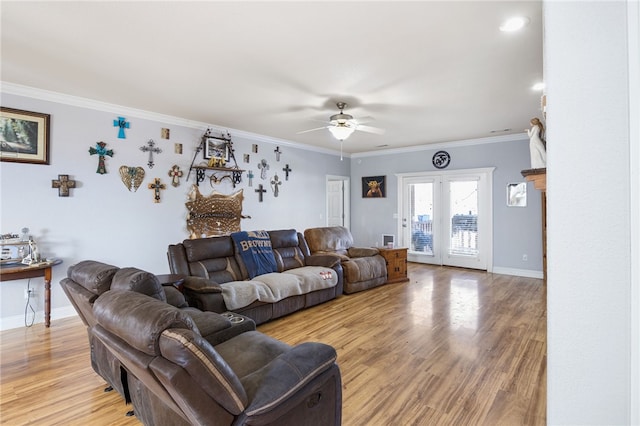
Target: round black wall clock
(441, 159)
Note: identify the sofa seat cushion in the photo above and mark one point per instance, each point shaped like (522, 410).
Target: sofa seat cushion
(250, 351)
(274, 287)
(364, 268)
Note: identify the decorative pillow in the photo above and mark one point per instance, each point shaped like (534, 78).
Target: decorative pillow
(254, 248)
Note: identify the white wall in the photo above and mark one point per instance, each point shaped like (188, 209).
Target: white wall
(588, 181)
(102, 220)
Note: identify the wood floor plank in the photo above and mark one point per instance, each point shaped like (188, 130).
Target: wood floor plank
(451, 346)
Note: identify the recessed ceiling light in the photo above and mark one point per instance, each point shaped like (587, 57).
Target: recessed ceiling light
(538, 87)
(514, 24)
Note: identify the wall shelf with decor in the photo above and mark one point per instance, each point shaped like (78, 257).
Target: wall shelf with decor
(218, 151)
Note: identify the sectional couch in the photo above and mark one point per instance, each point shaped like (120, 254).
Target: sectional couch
(219, 278)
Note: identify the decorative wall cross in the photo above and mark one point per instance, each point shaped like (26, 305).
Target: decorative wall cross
(63, 183)
(101, 151)
(263, 166)
(250, 177)
(150, 148)
(121, 123)
(286, 170)
(275, 183)
(260, 191)
(156, 186)
(175, 174)
(278, 152)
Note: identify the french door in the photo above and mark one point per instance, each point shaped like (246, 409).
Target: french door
(446, 217)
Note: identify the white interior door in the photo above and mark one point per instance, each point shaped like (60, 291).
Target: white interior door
(447, 217)
(338, 201)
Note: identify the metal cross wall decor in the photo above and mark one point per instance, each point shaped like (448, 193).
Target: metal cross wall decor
(260, 191)
(101, 150)
(63, 183)
(275, 183)
(150, 148)
(122, 124)
(156, 186)
(286, 170)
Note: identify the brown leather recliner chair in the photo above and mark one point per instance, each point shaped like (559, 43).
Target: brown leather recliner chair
(176, 377)
(88, 279)
(363, 267)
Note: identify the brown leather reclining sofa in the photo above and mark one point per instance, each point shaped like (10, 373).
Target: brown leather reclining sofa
(179, 365)
(214, 269)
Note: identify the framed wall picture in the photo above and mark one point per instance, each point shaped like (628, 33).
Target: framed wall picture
(517, 194)
(216, 148)
(374, 187)
(24, 136)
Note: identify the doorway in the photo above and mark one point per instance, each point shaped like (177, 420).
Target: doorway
(446, 217)
(338, 205)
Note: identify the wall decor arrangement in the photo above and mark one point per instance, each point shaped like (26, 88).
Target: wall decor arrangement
(121, 123)
(278, 152)
(246, 158)
(25, 136)
(132, 177)
(165, 133)
(175, 174)
(275, 184)
(260, 192)
(263, 166)
(177, 148)
(517, 194)
(254, 148)
(214, 215)
(374, 187)
(286, 171)
(219, 151)
(151, 148)
(441, 159)
(156, 185)
(250, 177)
(63, 184)
(101, 151)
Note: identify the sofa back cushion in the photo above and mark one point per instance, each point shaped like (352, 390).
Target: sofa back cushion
(212, 258)
(254, 252)
(329, 239)
(286, 249)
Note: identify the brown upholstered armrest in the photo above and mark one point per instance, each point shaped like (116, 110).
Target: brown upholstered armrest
(286, 374)
(326, 260)
(201, 285)
(362, 251)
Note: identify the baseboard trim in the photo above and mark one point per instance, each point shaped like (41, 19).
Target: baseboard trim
(17, 321)
(527, 273)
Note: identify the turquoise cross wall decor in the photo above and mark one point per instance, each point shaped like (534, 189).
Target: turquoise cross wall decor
(122, 123)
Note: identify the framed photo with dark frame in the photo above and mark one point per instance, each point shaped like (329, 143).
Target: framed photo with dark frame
(216, 148)
(374, 187)
(24, 136)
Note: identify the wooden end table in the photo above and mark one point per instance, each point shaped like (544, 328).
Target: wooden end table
(42, 269)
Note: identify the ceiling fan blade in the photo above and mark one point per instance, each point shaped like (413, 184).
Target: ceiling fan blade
(365, 120)
(370, 129)
(312, 130)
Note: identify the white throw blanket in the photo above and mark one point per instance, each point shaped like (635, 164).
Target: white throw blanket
(273, 287)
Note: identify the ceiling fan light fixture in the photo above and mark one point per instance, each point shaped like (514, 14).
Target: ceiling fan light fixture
(341, 131)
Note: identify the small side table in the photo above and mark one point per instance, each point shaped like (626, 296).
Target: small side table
(43, 269)
(396, 259)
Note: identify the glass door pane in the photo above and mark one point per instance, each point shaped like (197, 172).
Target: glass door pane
(463, 214)
(421, 216)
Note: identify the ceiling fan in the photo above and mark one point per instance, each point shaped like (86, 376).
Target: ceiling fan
(342, 125)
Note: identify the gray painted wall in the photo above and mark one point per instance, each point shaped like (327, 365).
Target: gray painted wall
(516, 231)
(102, 220)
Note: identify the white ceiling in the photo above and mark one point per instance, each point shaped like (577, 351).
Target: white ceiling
(428, 72)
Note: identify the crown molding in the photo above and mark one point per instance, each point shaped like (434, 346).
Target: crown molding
(444, 145)
(62, 98)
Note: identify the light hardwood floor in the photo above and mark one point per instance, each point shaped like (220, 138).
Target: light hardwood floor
(450, 347)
